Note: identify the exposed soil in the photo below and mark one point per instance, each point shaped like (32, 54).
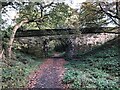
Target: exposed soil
(48, 75)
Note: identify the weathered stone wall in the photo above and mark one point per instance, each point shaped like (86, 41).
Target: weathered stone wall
(83, 42)
(94, 39)
(87, 42)
(32, 45)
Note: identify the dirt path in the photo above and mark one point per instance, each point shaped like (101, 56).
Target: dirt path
(49, 74)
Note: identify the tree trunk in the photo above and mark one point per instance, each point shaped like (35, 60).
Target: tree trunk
(1, 49)
(1, 54)
(10, 44)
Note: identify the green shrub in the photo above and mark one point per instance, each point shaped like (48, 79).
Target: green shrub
(100, 70)
(76, 84)
(70, 76)
(15, 76)
(106, 84)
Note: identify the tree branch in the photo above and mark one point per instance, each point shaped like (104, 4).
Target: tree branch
(5, 3)
(17, 26)
(1, 54)
(110, 15)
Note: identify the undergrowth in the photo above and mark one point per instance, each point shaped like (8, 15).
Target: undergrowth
(99, 70)
(16, 75)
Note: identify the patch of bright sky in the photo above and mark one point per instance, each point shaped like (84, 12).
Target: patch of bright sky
(74, 3)
(8, 17)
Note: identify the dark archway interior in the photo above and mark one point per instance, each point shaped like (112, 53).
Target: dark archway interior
(62, 46)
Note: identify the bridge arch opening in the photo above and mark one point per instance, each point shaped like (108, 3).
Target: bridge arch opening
(57, 45)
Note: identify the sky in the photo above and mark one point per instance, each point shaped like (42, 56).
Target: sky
(12, 13)
(72, 3)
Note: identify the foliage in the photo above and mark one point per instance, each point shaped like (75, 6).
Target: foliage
(112, 10)
(5, 35)
(91, 16)
(70, 76)
(58, 16)
(31, 12)
(99, 70)
(15, 76)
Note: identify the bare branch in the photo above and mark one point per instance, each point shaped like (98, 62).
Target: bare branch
(6, 4)
(110, 15)
(1, 54)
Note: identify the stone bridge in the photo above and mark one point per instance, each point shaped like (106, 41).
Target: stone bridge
(79, 42)
(67, 31)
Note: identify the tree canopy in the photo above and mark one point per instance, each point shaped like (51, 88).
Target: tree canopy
(112, 10)
(58, 15)
(91, 16)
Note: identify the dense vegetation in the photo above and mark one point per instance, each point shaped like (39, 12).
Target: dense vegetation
(98, 69)
(15, 75)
